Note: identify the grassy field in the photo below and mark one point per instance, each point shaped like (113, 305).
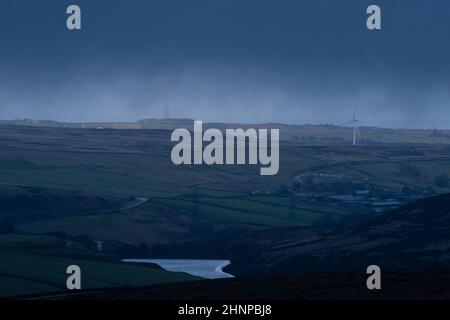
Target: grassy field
(122, 163)
(90, 165)
(24, 273)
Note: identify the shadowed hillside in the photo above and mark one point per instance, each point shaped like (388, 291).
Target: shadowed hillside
(410, 244)
(414, 236)
(402, 284)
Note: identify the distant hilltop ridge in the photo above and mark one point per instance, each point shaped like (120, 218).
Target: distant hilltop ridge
(139, 124)
(321, 134)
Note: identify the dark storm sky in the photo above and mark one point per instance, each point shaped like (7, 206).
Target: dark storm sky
(291, 61)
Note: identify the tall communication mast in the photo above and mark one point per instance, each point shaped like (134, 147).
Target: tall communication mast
(167, 109)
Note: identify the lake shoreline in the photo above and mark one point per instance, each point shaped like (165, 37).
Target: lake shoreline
(204, 268)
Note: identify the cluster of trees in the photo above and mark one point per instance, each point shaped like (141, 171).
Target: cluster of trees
(338, 187)
(309, 185)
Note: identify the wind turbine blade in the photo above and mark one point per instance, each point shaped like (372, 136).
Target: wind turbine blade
(359, 133)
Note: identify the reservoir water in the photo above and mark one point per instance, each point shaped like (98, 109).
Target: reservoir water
(209, 269)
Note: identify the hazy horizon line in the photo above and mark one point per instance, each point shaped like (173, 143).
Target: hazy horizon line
(37, 121)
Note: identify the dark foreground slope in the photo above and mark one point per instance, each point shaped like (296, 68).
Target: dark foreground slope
(412, 237)
(419, 284)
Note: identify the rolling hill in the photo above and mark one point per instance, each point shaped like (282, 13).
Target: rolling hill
(411, 237)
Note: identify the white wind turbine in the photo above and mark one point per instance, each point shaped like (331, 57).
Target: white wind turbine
(356, 132)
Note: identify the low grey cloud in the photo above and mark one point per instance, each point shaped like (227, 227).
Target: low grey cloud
(242, 61)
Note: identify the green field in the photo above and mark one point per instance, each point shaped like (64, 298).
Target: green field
(110, 166)
(122, 163)
(30, 273)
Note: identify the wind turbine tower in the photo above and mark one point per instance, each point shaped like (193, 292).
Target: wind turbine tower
(356, 132)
